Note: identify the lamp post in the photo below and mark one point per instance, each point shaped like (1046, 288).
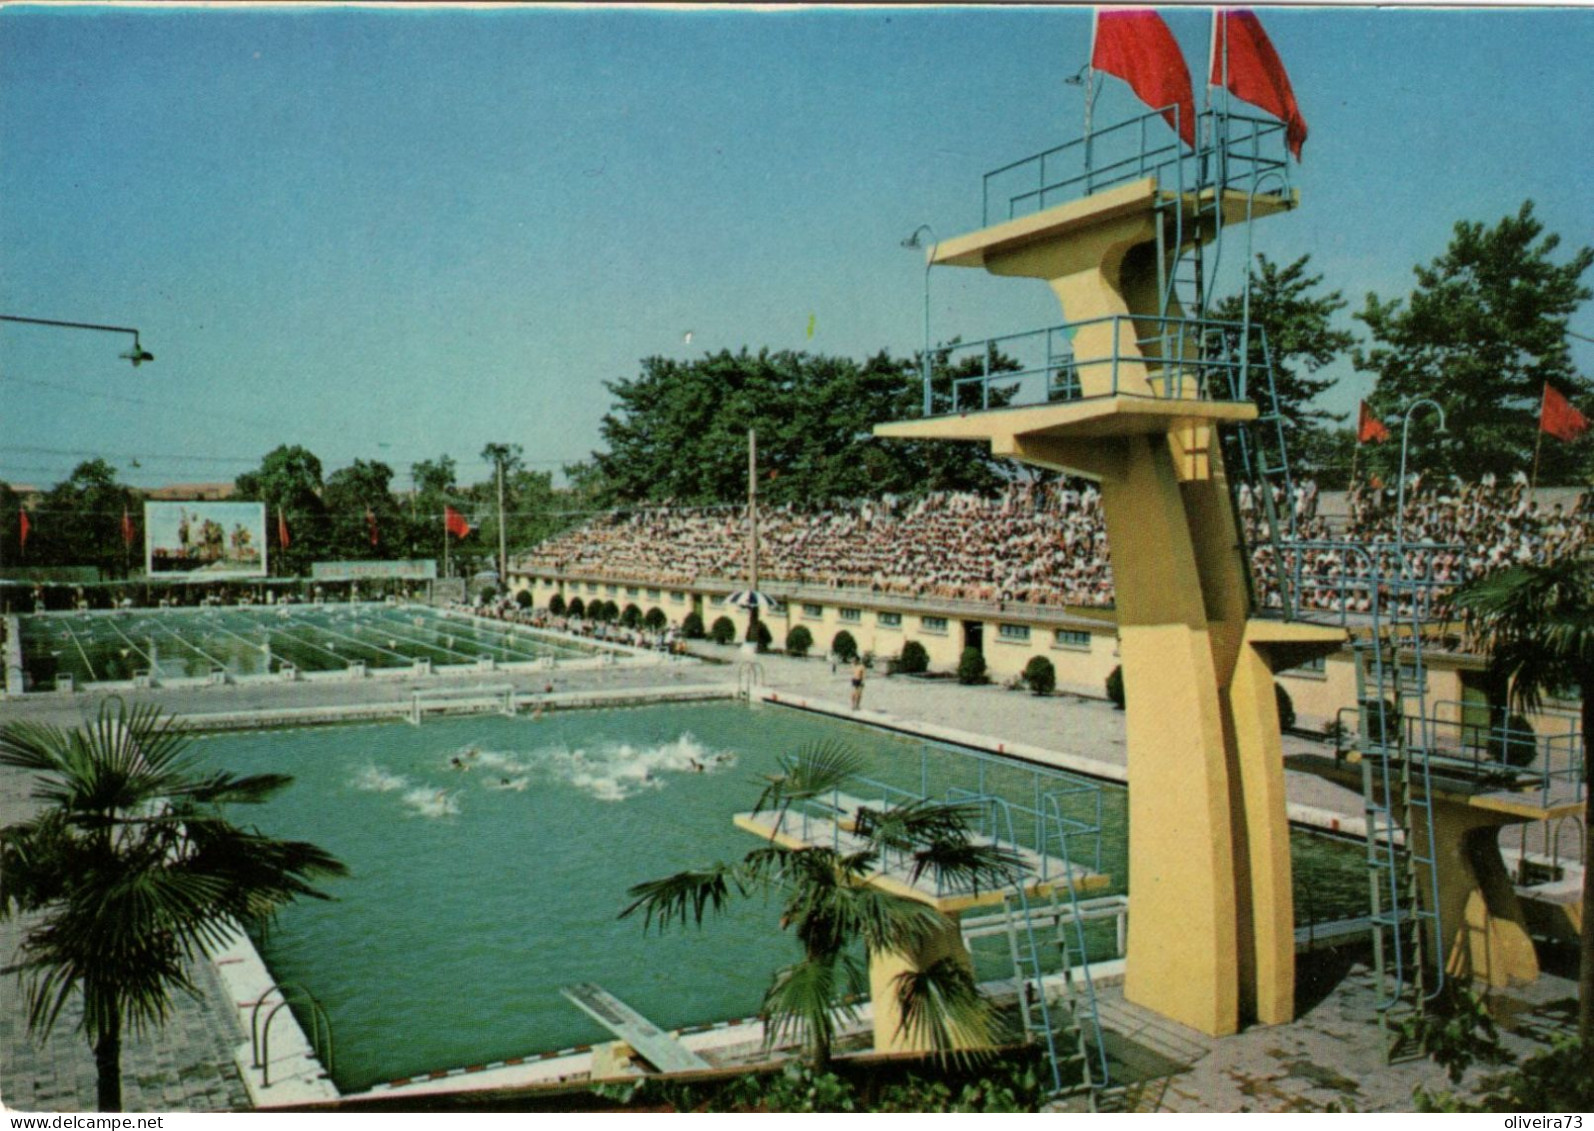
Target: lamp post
(915, 241)
(137, 355)
(1400, 490)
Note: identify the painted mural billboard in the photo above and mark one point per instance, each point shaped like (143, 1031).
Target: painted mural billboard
(205, 539)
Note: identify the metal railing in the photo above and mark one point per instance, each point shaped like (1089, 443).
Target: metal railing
(1236, 150)
(1170, 358)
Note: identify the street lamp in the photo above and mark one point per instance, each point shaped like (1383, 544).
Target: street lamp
(137, 354)
(1400, 491)
(914, 241)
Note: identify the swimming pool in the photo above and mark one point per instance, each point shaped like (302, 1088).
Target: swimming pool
(477, 893)
(172, 645)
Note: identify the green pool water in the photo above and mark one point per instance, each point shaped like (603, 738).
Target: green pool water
(172, 644)
(476, 894)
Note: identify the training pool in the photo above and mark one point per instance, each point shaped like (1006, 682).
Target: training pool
(475, 895)
(168, 645)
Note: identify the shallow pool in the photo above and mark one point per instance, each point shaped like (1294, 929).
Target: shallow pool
(477, 893)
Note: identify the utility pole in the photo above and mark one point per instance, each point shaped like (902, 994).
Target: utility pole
(503, 534)
(752, 536)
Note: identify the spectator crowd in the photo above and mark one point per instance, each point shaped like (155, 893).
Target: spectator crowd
(1046, 543)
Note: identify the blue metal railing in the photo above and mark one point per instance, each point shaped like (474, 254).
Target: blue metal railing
(1181, 358)
(1236, 150)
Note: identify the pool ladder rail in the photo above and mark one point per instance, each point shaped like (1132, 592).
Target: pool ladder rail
(277, 997)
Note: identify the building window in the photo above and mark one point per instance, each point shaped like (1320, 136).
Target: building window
(612, 590)
(1013, 633)
(889, 620)
(813, 612)
(1070, 638)
(653, 594)
(933, 624)
(678, 598)
(630, 590)
(850, 616)
(592, 587)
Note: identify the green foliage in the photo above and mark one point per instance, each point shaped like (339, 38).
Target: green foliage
(289, 482)
(1556, 1080)
(798, 641)
(1517, 746)
(914, 659)
(1380, 727)
(556, 605)
(1286, 707)
(1115, 686)
(1455, 1031)
(631, 616)
(351, 493)
(611, 612)
(844, 647)
(133, 871)
(523, 598)
(1301, 342)
(678, 431)
(971, 668)
(1040, 675)
(764, 638)
(577, 608)
(723, 630)
(656, 620)
(1482, 332)
(692, 626)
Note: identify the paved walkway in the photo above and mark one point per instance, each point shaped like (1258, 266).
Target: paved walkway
(1329, 1057)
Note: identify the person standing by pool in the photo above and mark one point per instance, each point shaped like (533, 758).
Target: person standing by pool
(857, 683)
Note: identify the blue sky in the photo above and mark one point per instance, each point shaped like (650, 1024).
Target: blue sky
(398, 233)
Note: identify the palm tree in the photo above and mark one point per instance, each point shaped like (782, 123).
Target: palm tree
(134, 871)
(1537, 627)
(830, 906)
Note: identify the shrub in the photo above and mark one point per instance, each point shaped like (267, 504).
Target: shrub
(765, 637)
(798, 641)
(971, 668)
(611, 612)
(576, 609)
(914, 659)
(723, 630)
(692, 626)
(1286, 707)
(844, 646)
(1517, 746)
(632, 617)
(523, 598)
(488, 592)
(655, 621)
(556, 605)
(1040, 675)
(1115, 686)
(1385, 732)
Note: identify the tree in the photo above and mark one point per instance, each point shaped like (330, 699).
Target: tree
(1300, 338)
(1483, 331)
(677, 433)
(82, 523)
(1537, 626)
(135, 871)
(362, 514)
(830, 906)
(288, 481)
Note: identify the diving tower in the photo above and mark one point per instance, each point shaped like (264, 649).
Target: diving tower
(1144, 394)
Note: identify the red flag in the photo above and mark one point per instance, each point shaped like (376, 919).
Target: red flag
(1137, 47)
(1369, 429)
(127, 528)
(454, 522)
(282, 530)
(1243, 59)
(24, 526)
(370, 522)
(1559, 418)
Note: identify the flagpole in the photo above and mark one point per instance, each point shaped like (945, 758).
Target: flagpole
(1538, 443)
(445, 542)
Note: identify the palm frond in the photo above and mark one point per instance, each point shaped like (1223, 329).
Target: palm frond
(682, 896)
(814, 769)
(1537, 625)
(941, 1009)
(966, 863)
(804, 1003)
(913, 824)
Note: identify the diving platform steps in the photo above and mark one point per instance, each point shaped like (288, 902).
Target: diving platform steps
(834, 826)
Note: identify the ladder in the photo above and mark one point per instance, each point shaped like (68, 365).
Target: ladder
(1402, 875)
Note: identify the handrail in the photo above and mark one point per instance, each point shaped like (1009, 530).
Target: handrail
(260, 1037)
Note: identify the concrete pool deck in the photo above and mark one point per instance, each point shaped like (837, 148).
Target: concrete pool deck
(189, 1066)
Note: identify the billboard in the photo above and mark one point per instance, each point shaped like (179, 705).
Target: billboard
(205, 539)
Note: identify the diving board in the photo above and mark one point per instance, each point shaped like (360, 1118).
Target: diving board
(653, 1044)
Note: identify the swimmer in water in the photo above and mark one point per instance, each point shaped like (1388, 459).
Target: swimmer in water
(697, 767)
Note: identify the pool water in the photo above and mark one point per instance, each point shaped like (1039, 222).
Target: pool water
(258, 640)
(477, 893)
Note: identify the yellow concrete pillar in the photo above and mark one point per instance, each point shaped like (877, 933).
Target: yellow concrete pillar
(884, 969)
(1481, 923)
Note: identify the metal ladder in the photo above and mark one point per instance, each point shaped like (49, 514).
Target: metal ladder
(1403, 886)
